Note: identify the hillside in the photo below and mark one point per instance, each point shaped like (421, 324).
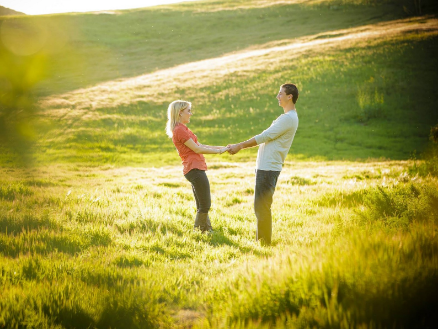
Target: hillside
(85, 49)
(6, 11)
(108, 78)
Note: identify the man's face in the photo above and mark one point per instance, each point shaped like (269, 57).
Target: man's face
(282, 98)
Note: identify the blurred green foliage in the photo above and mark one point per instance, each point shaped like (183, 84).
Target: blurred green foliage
(22, 67)
(27, 45)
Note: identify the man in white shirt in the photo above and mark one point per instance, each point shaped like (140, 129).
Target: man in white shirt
(274, 143)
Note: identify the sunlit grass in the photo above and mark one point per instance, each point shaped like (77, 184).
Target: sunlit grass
(96, 231)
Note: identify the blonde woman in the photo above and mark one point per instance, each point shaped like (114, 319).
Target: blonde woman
(190, 151)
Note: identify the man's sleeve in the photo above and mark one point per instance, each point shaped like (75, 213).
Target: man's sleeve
(278, 128)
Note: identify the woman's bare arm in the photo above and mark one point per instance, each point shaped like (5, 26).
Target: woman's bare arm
(212, 147)
(203, 149)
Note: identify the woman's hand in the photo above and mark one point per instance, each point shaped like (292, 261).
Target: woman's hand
(223, 149)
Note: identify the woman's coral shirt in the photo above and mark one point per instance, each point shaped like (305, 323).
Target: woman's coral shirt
(190, 159)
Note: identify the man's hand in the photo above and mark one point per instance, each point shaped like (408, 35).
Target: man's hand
(233, 148)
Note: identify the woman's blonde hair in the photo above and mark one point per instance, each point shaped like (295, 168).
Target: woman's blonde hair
(173, 115)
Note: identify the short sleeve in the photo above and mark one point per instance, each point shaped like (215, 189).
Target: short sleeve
(181, 135)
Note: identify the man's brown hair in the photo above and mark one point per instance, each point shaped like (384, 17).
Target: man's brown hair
(291, 89)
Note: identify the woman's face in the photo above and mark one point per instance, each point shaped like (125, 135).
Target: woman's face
(184, 115)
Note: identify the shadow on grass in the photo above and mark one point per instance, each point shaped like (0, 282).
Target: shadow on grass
(10, 224)
(72, 317)
(219, 239)
(43, 237)
(150, 225)
(42, 244)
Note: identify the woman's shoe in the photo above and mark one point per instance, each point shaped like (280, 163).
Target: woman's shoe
(209, 228)
(201, 221)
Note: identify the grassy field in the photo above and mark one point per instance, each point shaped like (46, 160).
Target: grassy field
(96, 231)
(114, 247)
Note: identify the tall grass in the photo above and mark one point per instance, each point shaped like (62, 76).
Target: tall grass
(369, 277)
(97, 247)
(380, 281)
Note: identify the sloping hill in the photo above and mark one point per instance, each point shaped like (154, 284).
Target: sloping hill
(85, 49)
(6, 11)
(361, 70)
(351, 81)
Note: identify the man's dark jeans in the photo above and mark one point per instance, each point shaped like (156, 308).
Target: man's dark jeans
(201, 189)
(266, 181)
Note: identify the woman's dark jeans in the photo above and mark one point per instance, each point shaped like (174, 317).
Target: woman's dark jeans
(266, 182)
(201, 189)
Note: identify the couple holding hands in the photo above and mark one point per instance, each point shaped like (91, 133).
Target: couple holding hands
(274, 144)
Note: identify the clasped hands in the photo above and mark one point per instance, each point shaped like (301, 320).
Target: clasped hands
(231, 148)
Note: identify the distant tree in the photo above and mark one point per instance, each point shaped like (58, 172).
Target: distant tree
(417, 7)
(410, 7)
(434, 134)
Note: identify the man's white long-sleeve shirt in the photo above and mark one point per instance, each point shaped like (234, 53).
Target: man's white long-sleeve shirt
(275, 142)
